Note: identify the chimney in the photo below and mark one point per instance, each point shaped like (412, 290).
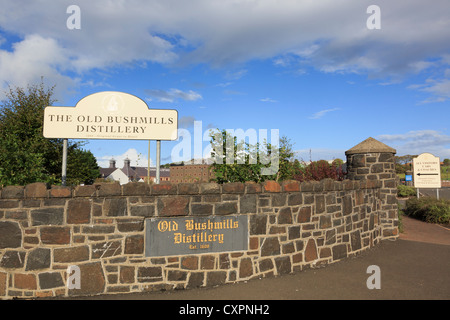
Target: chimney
(127, 163)
(112, 163)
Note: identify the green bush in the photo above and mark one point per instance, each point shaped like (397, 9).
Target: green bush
(405, 191)
(318, 170)
(428, 209)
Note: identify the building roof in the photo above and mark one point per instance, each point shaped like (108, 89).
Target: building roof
(202, 161)
(133, 171)
(370, 145)
(107, 171)
(136, 171)
(162, 172)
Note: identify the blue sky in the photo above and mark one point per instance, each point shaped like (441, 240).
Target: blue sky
(311, 69)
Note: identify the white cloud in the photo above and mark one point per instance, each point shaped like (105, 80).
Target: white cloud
(33, 58)
(439, 90)
(268, 100)
(417, 142)
(284, 61)
(136, 159)
(328, 35)
(173, 94)
(48, 48)
(224, 84)
(322, 113)
(235, 75)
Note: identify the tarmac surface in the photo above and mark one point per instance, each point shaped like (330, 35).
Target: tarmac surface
(444, 193)
(414, 267)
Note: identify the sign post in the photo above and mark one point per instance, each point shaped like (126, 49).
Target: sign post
(158, 159)
(64, 164)
(427, 172)
(148, 166)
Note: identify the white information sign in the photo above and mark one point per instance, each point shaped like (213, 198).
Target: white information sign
(427, 171)
(110, 115)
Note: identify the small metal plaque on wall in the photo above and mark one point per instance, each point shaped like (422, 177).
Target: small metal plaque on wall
(195, 235)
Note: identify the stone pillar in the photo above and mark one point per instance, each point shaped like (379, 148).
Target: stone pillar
(373, 160)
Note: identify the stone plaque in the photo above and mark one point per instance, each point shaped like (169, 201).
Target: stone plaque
(195, 235)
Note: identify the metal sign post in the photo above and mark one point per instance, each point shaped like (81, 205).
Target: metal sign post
(158, 159)
(148, 166)
(64, 164)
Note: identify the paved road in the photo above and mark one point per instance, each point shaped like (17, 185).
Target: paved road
(444, 193)
(409, 270)
(414, 267)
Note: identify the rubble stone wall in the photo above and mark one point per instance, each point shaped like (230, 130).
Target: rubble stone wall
(97, 232)
(100, 229)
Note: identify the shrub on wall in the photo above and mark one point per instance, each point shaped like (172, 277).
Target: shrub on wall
(318, 170)
(240, 161)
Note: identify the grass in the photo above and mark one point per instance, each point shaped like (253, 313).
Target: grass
(406, 191)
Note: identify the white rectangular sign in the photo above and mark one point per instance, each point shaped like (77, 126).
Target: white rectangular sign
(111, 115)
(427, 171)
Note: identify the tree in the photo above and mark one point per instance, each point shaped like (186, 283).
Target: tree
(403, 163)
(82, 167)
(25, 155)
(318, 170)
(230, 165)
(286, 154)
(239, 161)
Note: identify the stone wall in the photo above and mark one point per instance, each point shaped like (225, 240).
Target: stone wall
(100, 229)
(373, 160)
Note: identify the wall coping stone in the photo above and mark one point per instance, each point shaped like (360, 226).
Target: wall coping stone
(36, 190)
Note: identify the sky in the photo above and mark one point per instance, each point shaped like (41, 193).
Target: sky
(325, 74)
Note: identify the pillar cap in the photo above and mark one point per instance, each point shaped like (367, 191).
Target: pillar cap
(370, 145)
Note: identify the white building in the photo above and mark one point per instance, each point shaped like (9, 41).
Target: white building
(129, 173)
